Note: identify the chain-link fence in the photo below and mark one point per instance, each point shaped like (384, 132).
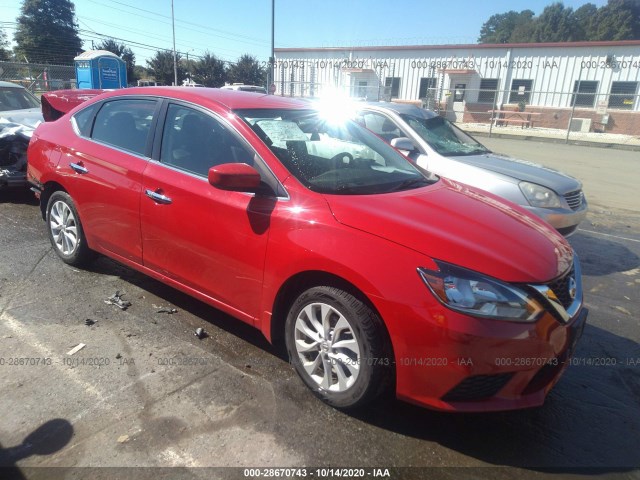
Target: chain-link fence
(37, 77)
(581, 114)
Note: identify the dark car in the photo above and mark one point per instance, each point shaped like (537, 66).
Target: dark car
(19, 115)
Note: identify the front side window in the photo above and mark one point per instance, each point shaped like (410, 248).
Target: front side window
(332, 155)
(125, 124)
(381, 126)
(195, 141)
(444, 137)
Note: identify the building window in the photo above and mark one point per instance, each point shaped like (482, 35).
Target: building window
(362, 89)
(394, 83)
(520, 90)
(584, 93)
(623, 95)
(488, 90)
(427, 87)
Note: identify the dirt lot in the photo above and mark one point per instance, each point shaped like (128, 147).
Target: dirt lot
(145, 392)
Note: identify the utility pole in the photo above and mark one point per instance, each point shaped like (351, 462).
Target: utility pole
(175, 61)
(272, 60)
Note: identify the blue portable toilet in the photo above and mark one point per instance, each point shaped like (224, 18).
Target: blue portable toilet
(100, 69)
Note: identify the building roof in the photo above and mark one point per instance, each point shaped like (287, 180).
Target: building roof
(472, 46)
(91, 54)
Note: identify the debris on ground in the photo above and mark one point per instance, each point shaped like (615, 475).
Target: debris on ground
(123, 438)
(163, 309)
(118, 356)
(76, 349)
(168, 311)
(89, 323)
(200, 333)
(116, 299)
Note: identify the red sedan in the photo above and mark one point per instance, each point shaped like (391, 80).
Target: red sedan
(309, 227)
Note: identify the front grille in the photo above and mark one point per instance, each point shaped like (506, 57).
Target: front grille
(477, 387)
(574, 199)
(561, 288)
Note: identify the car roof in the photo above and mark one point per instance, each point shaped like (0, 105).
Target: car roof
(402, 109)
(10, 85)
(231, 99)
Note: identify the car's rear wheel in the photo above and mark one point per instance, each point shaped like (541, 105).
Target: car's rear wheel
(337, 345)
(65, 230)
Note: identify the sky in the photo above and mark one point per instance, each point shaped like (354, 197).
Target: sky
(231, 28)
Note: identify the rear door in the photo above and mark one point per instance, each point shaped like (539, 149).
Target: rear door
(104, 168)
(210, 240)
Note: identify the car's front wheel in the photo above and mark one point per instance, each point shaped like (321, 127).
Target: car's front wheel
(337, 344)
(65, 230)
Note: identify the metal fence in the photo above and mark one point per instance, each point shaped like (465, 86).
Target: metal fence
(38, 77)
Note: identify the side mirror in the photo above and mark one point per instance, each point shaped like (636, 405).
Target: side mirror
(238, 177)
(403, 143)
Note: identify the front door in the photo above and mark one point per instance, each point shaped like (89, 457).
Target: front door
(210, 240)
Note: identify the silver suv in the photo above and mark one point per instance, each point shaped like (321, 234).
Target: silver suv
(440, 147)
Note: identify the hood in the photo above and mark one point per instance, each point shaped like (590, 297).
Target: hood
(523, 170)
(461, 225)
(30, 117)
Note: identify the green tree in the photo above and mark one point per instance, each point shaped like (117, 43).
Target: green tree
(161, 67)
(209, 71)
(500, 28)
(618, 20)
(247, 70)
(5, 53)
(556, 24)
(47, 32)
(124, 52)
(141, 72)
(585, 19)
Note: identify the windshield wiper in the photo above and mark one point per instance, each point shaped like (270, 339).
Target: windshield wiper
(415, 182)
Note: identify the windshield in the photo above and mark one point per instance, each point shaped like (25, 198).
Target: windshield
(444, 137)
(12, 98)
(337, 157)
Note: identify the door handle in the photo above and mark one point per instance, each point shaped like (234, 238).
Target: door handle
(157, 197)
(78, 168)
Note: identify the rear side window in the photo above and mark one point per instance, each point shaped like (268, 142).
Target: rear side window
(125, 124)
(83, 120)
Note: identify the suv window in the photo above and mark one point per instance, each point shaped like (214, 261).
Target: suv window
(125, 124)
(195, 141)
(382, 126)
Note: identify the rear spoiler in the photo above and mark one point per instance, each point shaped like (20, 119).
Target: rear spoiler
(55, 104)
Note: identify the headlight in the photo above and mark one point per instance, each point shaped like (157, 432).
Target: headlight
(539, 196)
(478, 295)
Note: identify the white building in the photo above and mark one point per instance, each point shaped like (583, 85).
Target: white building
(598, 81)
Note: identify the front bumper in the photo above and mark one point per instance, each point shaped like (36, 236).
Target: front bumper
(450, 361)
(485, 371)
(564, 220)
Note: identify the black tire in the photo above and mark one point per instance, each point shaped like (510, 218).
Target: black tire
(65, 230)
(373, 361)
